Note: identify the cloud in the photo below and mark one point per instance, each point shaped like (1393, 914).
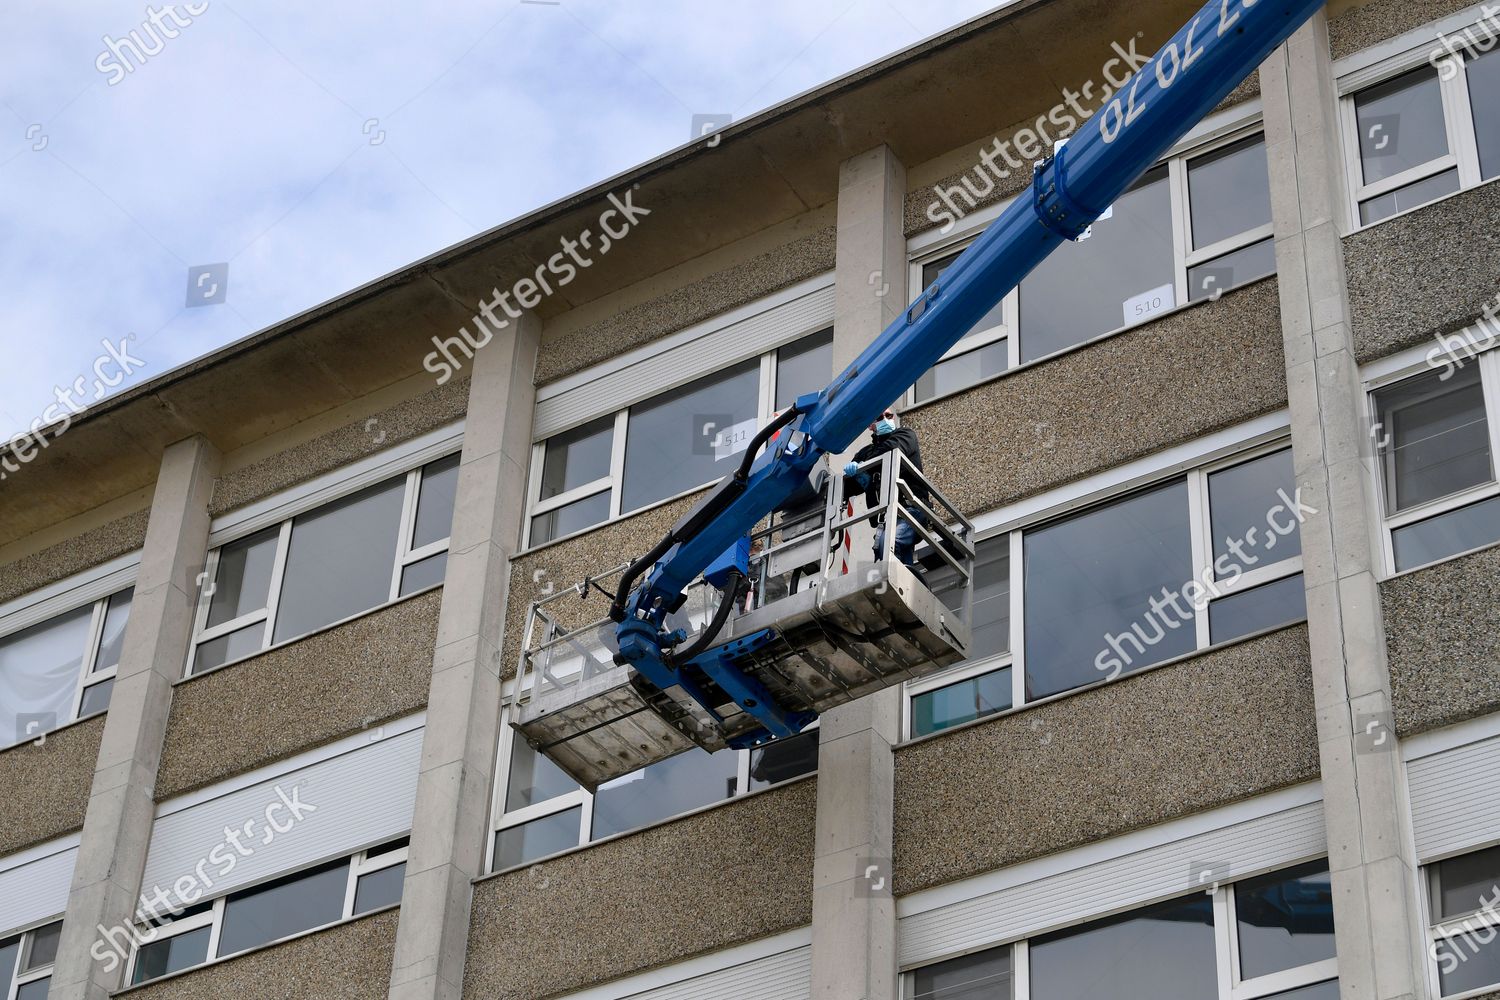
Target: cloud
(249, 139)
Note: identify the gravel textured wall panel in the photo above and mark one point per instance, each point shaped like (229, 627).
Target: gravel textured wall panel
(682, 307)
(351, 961)
(1442, 627)
(1360, 27)
(717, 878)
(53, 780)
(1185, 375)
(299, 696)
(356, 439)
(108, 541)
(1423, 274)
(558, 567)
(1206, 731)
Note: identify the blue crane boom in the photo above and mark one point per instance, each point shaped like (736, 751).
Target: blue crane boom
(1222, 44)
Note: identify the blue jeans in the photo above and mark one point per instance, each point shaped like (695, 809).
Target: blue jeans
(906, 541)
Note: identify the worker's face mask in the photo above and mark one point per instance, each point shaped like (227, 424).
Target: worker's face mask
(883, 427)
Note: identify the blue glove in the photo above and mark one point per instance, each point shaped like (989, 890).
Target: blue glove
(852, 469)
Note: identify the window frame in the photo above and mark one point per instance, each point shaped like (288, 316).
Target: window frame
(359, 863)
(411, 471)
(1226, 952)
(1458, 118)
(1215, 133)
(81, 592)
(20, 975)
(1415, 364)
(1197, 474)
(583, 799)
(1436, 930)
(613, 483)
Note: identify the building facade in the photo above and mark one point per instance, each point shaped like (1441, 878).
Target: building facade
(1231, 727)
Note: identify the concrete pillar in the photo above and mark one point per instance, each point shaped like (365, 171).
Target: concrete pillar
(117, 824)
(854, 912)
(451, 819)
(1370, 849)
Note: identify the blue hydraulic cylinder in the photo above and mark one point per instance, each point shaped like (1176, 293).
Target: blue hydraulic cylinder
(1222, 44)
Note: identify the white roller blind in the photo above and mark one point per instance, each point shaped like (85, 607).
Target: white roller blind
(1066, 897)
(1455, 798)
(358, 797)
(619, 387)
(35, 885)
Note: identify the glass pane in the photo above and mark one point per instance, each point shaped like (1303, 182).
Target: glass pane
(985, 976)
(113, 638)
(1447, 534)
(1414, 194)
(1435, 441)
(690, 436)
(1238, 267)
(1464, 883)
(1267, 606)
(1253, 514)
(1468, 961)
(533, 778)
(304, 901)
(1321, 991)
(803, 367)
(339, 560)
(39, 669)
(664, 789)
(1229, 192)
(962, 702)
(379, 888)
(569, 518)
(435, 501)
(234, 646)
(1090, 584)
(10, 952)
(1484, 100)
(244, 577)
(516, 845)
(578, 456)
(167, 955)
(1285, 920)
(784, 760)
(35, 990)
(424, 573)
(990, 622)
(1160, 951)
(1400, 124)
(43, 948)
(1100, 284)
(963, 371)
(995, 317)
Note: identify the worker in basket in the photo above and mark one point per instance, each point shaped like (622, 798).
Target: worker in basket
(885, 435)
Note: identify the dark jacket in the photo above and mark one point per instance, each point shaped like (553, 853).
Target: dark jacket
(903, 438)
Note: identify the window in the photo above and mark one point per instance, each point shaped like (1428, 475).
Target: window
(1268, 937)
(541, 811)
(336, 561)
(272, 911)
(1437, 450)
(1190, 228)
(61, 669)
(1424, 132)
(1463, 897)
(26, 962)
(1198, 559)
(669, 444)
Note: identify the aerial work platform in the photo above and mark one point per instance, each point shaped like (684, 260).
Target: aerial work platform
(825, 621)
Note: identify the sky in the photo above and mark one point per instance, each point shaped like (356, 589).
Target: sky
(313, 147)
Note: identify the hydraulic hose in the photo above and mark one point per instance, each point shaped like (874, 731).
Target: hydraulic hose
(706, 637)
